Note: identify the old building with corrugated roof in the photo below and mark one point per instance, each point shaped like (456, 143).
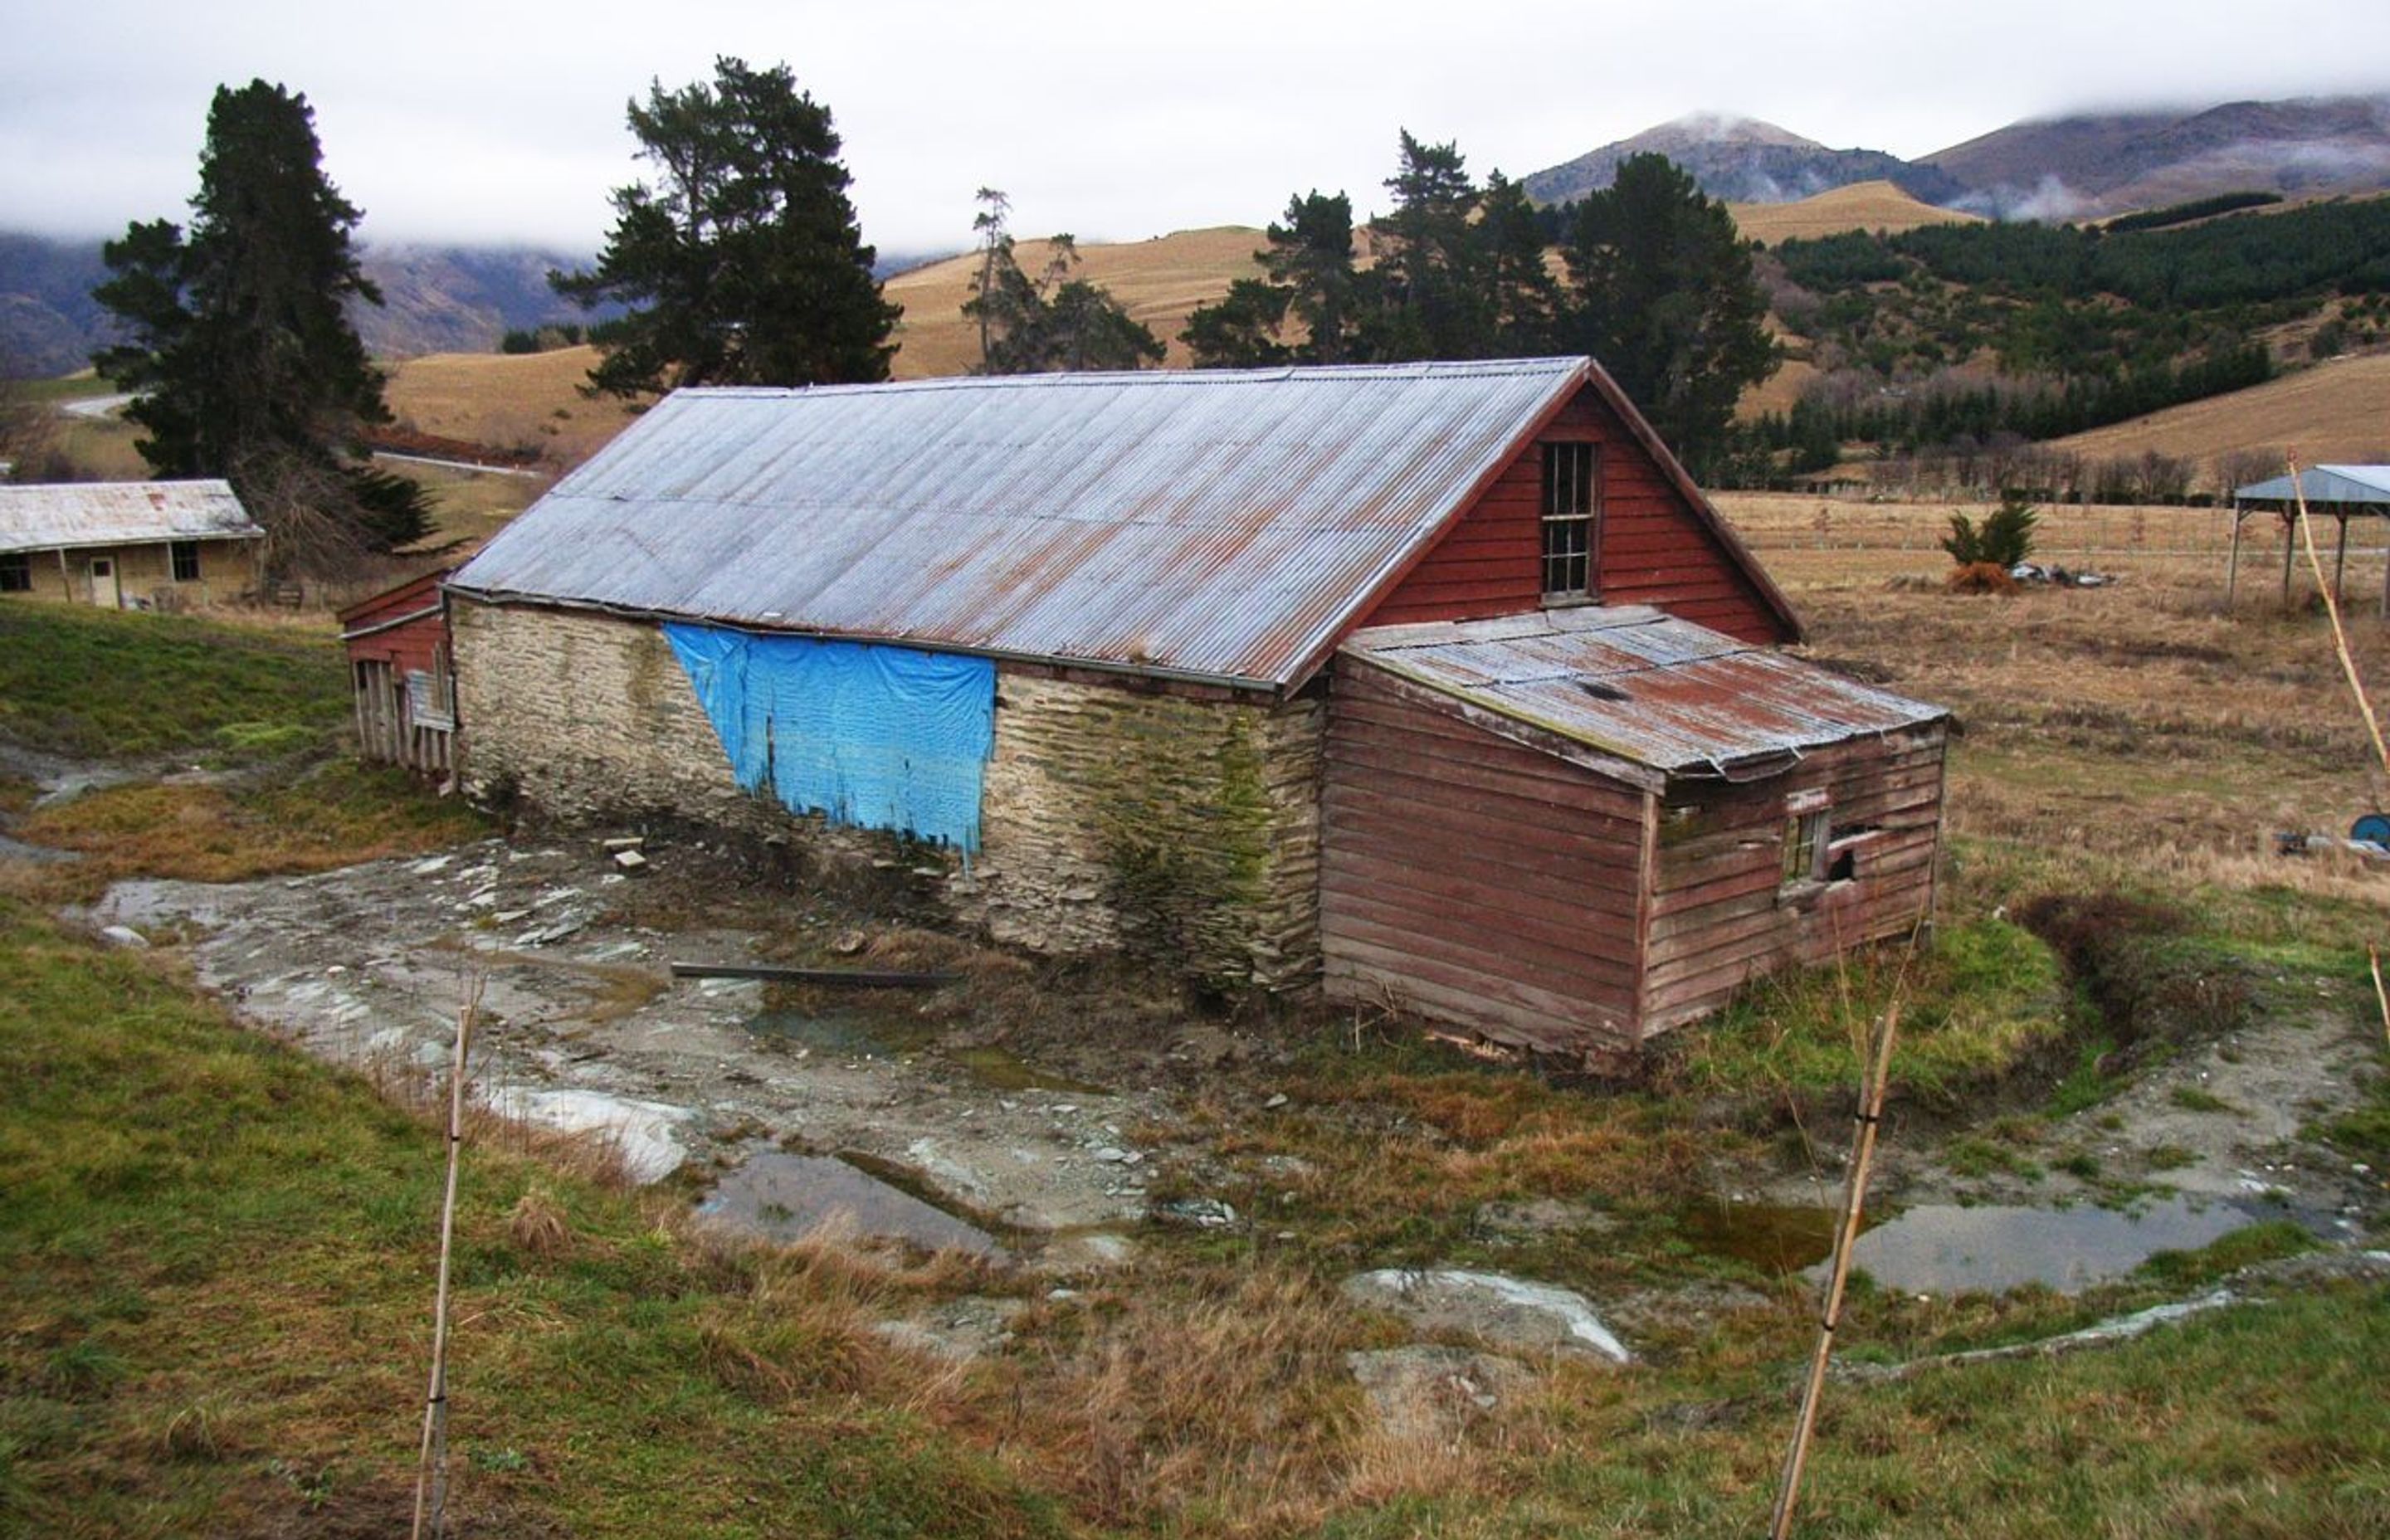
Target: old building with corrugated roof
(127, 545)
(1435, 682)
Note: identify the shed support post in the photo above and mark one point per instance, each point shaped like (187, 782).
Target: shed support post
(2290, 543)
(2340, 559)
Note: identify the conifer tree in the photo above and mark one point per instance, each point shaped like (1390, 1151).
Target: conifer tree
(239, 344)
(1665, 298)
(746, 266)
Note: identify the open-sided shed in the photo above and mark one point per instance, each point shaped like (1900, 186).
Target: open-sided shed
(2339, 492)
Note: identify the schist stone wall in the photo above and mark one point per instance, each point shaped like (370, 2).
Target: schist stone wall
(1114, 815)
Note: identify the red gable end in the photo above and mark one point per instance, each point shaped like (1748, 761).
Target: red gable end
(1653, 543)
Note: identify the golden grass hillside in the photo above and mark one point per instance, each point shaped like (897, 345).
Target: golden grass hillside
(1160, 281)
(2336, 412)
(1860, 206)
(508, 401)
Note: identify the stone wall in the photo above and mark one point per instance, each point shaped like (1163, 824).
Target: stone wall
(1114, 817)
(1183, 829)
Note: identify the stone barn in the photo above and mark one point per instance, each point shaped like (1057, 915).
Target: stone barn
(1439, 683)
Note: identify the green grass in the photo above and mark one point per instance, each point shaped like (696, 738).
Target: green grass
(215, 1277)
(1984, 999)
(99, 684)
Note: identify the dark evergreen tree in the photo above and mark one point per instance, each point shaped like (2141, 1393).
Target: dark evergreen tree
(1310, 285)
(239, 344)
(1524, 295)
(1051, 324)
(1665, 299)
(1429, 293)
(746, 266)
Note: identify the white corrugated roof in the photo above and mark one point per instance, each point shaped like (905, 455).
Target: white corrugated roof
(2324, 484)
(1641, 686)
(1215, 524)
(69, 514)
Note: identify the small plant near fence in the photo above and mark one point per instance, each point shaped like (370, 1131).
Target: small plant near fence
(1985, 552)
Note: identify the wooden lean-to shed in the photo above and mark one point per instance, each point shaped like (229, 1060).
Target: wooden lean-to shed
(400, 678)
(1435, 682)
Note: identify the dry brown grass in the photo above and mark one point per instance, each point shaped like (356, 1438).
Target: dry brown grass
(1861, 206)
(2331, 414)
(509, 401)
(2141, 727)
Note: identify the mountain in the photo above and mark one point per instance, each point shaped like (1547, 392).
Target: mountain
(2096, 164)
(1743, 160)
(435, 299)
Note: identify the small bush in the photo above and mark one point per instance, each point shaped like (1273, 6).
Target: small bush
(2003, 539)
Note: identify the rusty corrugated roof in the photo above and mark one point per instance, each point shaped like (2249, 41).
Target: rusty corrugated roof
(1220, 525)
(70, 513)
(1640, 685)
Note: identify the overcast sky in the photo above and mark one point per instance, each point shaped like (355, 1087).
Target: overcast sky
(496, 122)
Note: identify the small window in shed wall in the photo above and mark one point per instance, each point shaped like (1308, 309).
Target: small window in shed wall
(186, 554)
(16, 572)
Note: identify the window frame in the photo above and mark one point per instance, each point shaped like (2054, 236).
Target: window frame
(182, 553)
(1809, 839)
(16, 572)
(1570, 501)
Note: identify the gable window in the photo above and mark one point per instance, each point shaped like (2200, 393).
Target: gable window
(186, 561)
(1571, 495)
(16, 572)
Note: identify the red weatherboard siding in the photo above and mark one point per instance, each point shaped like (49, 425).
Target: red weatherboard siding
(406, 647)
(1653, 548)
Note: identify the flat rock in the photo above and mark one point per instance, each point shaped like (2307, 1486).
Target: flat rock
(1506, 1312)
(1430, 1393)
(1538, 1216)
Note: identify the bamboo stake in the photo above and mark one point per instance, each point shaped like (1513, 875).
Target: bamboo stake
(1854, 1203)
(2332, 610)
(2381, 996)
(431, 1464)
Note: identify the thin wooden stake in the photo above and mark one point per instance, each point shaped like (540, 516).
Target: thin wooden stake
(2381, 996)
(431, 1465)
(2332, 610)
(1854, 1203)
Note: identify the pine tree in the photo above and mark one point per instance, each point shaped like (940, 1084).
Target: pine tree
(1310, 283)
(1431, 298)
(239, 343)
(1665, 298)
(747, 265)
(1051, 324)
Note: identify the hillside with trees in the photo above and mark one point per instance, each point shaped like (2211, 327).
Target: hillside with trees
(1956, 335)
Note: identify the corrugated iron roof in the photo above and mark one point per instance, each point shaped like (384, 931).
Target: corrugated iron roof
(1219, 525)
(1640, 685)
(70, 513)
(2324, 484)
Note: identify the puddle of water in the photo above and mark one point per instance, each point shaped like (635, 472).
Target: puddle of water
(1940, 1249)
(1002, 1069)
(1774, 1237)
(852, 1036)
(786, 1197)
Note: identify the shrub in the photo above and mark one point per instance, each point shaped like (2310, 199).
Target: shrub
(2003, 539)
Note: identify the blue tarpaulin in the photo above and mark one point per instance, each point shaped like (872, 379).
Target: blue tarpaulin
(869, 736)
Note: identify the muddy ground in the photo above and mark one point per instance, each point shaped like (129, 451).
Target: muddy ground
(1041, 1138)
